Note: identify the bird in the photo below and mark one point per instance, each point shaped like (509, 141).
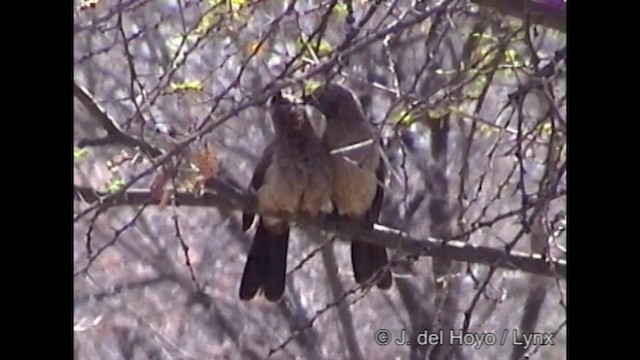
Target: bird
(293, 176)
(359, 174)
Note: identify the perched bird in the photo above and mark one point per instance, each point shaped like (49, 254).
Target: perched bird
(294, 176)
(358, 174)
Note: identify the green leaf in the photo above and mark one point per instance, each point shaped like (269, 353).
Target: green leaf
(115, 185)
(341, 11)
(237, 4)
(222, 6)
(484, 36)
(205, 23)
(546, 128)
(323, 48)
(511, 56)
(311, 85)
(187, 85)
(405, 118)
(486, 130)
(173, 43)
(80, 153)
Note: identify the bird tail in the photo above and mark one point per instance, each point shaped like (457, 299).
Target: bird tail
(266, 265)
(368, 260)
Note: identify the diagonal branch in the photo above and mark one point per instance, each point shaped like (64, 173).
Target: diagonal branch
(115, 135)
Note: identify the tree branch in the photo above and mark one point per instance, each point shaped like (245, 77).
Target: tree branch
(115, 135)
(259, 99)
(224, 196)
(548, 13)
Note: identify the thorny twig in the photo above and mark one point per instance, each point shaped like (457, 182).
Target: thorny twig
(115, 238)
(185, 250)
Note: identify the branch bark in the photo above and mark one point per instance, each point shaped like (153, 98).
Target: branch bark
(224, 196)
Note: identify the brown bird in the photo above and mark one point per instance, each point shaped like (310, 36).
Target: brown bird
(358, 173)
(294, 176)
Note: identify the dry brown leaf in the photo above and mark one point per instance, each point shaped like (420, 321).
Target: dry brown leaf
(207, 163)
(157, 186)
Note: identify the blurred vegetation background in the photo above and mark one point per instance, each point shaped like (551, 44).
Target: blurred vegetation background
(469, 98)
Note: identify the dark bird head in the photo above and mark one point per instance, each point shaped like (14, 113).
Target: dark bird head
(333, 99)
(286, 114)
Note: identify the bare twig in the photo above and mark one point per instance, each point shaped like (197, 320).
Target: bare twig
(185, 250)
(113, 240)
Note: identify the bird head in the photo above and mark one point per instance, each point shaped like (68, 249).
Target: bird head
(286, 113)
(330, 98)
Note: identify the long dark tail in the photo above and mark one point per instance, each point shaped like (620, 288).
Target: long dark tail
(266, 265)
(367, 259)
